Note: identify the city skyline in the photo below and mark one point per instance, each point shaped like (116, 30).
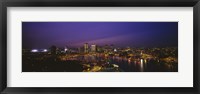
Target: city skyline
(99, 46)
(121, 34)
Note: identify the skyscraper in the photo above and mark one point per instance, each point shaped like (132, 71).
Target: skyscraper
(86, 48)
(93, 48)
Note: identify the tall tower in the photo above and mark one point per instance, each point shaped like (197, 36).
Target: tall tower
(86, 48)
(93, 48)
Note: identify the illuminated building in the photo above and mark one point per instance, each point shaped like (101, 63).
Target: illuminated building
(86, 48)
(106, 47)
(93, 48)
(115, 50)
(65, 49)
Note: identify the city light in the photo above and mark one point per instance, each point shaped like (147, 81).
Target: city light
(108, 58)
(115, 50)
(66, 49)
(115, 65)
(45, 50)
(100, 46)
(34, 50)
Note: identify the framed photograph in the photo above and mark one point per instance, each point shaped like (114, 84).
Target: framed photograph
(104, 46)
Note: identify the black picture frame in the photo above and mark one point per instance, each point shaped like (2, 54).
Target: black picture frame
(98, 3)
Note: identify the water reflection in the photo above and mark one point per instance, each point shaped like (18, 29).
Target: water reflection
(130, 64)
(141, 65)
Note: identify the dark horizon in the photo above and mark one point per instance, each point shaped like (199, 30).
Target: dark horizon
(120, 34)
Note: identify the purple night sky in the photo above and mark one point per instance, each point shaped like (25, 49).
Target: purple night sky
(120, 34)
